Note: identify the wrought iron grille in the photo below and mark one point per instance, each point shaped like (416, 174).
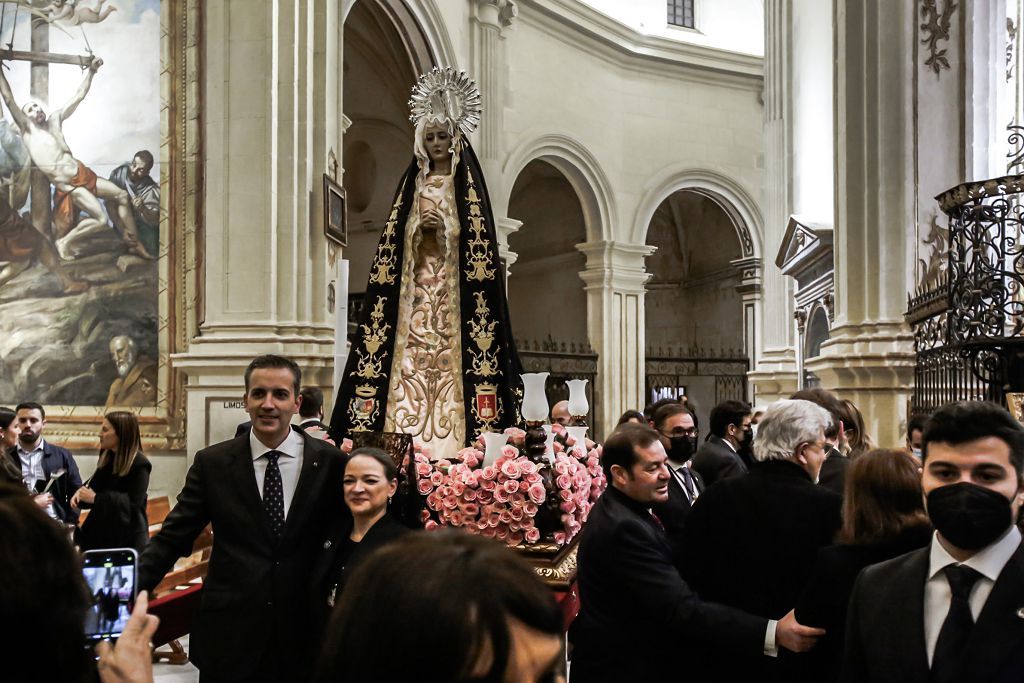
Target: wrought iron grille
(968, 327)
(564, 361)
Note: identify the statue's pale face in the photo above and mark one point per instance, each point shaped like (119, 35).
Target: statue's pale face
(437, 141)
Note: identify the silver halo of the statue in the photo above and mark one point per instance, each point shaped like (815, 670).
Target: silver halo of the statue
(446, 93)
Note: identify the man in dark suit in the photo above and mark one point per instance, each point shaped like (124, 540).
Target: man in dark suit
(751, 541)
(39, 459)
(833, 470)
(270, 495)
(956, 607)
(677, 432)
(311, 413)
(718, 458)
(638, 620)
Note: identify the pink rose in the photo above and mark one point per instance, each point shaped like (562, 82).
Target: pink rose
(558, 429)
(509, 451)
(568, 506)
(436, 478)
(484, 497)
(457, 518)
(431, 525)
(501, 534)
(469, 494)
(517, 499)
(424, 516)
(493, 520)
(524, 485)
(444, 464)
(488, 532)
(534, 478)
(471, 509)
(569, 441)
(537, 493)
(557, 447)
(560, 537)
(423, 469)
(515, 538)
(505, 517)
(424, 487)
(510, 468)
(501, 495)
(458, 487)
(450, 502)
(561, 466)
(531, 508)
(532, 535)
(510, 486)
(472, 460)
(517, 513)
(563, 481)
(490, 473)
(481, 524)
(527, 467)
(515, 435)
(346, 445)
(564, 494)
(487, 484)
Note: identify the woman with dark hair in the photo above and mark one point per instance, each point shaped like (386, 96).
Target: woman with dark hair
(369, 482)
(9, 472)
(856, 440)
(632, 416)
(883, 517)
(116, 493)
(444, 607)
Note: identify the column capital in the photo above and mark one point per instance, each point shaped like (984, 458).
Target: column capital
(496, 14)
(749, 269)
(615, 265)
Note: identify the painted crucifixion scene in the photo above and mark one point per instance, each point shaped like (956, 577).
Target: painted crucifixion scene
(80, 201)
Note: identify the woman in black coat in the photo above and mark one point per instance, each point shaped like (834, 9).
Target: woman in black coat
(116, 493)
(883, 517)
(370, 480)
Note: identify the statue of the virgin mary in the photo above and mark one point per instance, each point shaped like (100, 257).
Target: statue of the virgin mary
(434, 355)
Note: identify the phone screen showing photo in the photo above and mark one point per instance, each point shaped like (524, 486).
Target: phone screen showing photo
(110, 577)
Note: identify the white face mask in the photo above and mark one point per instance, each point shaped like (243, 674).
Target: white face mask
(753, 428)
(916, 452)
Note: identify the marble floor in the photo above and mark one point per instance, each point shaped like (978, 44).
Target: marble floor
(171, 673)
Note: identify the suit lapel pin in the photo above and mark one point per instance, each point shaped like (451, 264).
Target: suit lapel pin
(316, 463)
(1020, 613)
(327, 546)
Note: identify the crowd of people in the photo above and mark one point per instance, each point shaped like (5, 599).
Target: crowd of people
(781, 546)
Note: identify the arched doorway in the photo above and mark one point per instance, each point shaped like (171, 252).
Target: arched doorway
(694, 311)
(547, 300)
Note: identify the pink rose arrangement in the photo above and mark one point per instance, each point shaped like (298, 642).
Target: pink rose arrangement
(515, 500)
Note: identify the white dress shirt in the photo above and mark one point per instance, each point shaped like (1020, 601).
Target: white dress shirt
(989, 562)
(290, 463)
(32, 470)
(674, 467)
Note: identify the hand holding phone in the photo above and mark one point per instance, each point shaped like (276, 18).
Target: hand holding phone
(132, 658)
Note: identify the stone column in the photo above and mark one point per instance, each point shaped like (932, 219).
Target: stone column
(505, 227)
(749, 289)
(272, 108)
(614, 280)
(869, 358)
(774, 373)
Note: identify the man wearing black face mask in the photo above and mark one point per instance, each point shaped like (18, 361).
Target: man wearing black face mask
(956, 607)
(678, 433)
(718, 458)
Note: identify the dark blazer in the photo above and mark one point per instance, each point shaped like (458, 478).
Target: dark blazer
(243, 428)
(751, 543)
(824, 600)
(638, 620)
(324, 577)
(716, 460)
(118, 516)
(885, 628)
(833, 471)
(318, 424)
(674, 511)
(254, 600)
(54, 458)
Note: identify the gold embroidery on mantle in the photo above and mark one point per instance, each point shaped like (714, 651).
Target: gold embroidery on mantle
(478, 256)
(362, 409)
(384, 265)
(486, 407)
(370, 365)
(481, 331)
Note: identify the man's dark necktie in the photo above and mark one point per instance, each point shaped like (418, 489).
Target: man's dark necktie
(957, 626)
(688, 485)
(273, 494)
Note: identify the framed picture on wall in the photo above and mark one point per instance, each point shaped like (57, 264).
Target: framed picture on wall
(335, 221)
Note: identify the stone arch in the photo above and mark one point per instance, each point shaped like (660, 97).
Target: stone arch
(580, 168)
(727, 193)
(422, 26)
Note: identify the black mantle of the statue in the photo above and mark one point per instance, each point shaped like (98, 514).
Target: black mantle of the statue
(490, 363)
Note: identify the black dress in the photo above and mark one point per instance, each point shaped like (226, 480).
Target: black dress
(340, 555)
(117, 518)
(824, 601)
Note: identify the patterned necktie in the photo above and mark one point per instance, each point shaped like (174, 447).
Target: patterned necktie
(688, 487)
(273, 494)
(957, 626)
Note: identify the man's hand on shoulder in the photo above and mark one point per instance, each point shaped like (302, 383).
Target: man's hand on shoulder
(794, 636)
